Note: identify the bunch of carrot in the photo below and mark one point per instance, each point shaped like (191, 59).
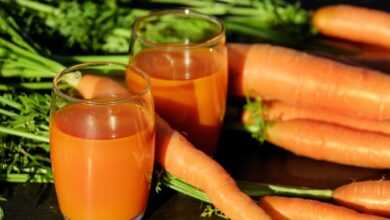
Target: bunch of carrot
(370, 197)
(359, 200)
(367, 196)
(319, 108)
(182, 159)
(322, 109)
(352, 23)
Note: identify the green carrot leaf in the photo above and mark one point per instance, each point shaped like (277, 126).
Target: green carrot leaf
(210, 211)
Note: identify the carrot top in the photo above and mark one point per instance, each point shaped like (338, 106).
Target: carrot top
(254, 122)
(252, 189)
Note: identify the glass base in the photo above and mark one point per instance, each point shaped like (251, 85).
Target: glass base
(139, 217)
(136, 218)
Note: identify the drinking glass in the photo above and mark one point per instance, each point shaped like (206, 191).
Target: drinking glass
(184, 54)
(102, 142)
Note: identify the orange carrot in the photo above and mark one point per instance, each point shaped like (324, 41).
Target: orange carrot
(183, 160)
(277, 73)
(284, 208)
(354, 23)
(180, 158)
(332, 143)
(281, 111)
(91, 86)
(367, 196)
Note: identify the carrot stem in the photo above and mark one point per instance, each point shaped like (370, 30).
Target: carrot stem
(261, 189)
(26, 85)
(184, 188)
(54, 66)
(24, 134)
(23, 178)
(10, 103)
(37, 6)
(257, 125)
(7, 113)
(250, 188)
(91, 58)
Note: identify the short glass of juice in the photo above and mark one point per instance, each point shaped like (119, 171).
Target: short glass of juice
(184, 53)
(102, 142)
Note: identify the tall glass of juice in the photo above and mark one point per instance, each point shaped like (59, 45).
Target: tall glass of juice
(102, 142)
(184, 53)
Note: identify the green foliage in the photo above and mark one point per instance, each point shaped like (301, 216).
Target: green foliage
(9, 27)
(1, 214)
(175, 29)
(210, 211)
(158, 187)
(21, 65)
(31, 111)
(105, 26)
(2, 199)
(16, 62)
(27, 117)
(275, 21)
(94, 26)
(256, 124)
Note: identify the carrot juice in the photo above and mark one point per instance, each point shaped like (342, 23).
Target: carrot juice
(189, 89)
(102, 159)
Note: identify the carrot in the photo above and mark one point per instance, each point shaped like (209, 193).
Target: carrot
(281, 111)
(284, 208)
(367, 196)
(354, 23)
(332, 143)
(92, 86)
(184, 161)
(360, 196)
(180, 158)
(277, 73)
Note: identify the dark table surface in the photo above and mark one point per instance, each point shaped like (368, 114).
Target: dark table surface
(241, 156)
(249, 161)
(238, 153)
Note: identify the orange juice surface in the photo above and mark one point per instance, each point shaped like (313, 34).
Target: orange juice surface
(189, 89)
(102, 158)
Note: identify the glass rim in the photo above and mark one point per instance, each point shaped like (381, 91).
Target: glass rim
(75, 67)
(214, 39)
